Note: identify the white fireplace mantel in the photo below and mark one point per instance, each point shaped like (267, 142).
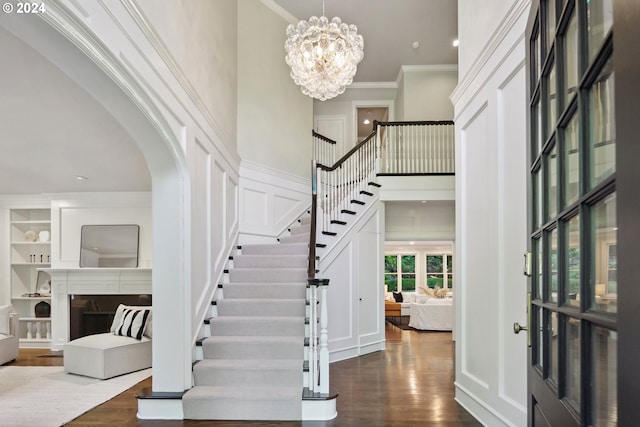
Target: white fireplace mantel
(89, 281)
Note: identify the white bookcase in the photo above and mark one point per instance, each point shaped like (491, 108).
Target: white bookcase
(27, 254)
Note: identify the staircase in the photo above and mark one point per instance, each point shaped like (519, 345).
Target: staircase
(254, 358)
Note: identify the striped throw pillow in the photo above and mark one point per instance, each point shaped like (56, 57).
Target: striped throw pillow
(133, 323)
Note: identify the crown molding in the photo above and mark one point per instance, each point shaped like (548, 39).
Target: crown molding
(373, 85)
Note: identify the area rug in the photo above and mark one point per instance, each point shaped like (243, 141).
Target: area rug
(47, 396)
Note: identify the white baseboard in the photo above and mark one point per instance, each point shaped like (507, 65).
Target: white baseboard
(319, 410)
(485, 414)
(160, 409)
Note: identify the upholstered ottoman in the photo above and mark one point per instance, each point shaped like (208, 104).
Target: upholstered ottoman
(106, 355)
(127, 348)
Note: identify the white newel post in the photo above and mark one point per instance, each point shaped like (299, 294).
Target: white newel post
(324, 338)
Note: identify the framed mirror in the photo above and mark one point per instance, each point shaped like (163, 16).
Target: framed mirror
(109, 246)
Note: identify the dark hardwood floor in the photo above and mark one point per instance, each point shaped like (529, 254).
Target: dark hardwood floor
(408, 384)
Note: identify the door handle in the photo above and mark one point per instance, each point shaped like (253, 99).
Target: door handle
(517, 327)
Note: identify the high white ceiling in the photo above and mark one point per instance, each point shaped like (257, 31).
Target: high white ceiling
(389, 29)
(53, 131)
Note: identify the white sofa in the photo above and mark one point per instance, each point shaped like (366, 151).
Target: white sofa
(108, 355)
(436, 314)
(9, 342)
(408, 298)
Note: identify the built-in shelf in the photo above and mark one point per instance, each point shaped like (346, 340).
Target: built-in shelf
(40, 264)
(35, 319)
(31, 222)
(31, 243)
(44, 297)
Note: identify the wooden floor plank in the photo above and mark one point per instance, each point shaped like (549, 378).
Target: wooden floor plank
(408, 384)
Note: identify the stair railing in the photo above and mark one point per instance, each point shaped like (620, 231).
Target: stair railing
(394, 148)
(418, 148)
(324, 149)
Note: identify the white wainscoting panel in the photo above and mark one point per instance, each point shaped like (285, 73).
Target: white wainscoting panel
(491, 228)
(270, 201)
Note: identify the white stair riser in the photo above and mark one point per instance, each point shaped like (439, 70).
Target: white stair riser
(230, 408)
(300, 229)
(297, 238)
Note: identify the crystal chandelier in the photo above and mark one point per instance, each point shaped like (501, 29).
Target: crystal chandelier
(323, 55)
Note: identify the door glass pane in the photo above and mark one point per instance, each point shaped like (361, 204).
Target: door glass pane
(602, 132)
(539, 355)
(599, 22)
(536, 66)
(552, 183)
(604, 411)
(553, 270)
(551, 22)
(537, 199)
(571, 162)
(572, 261)
(572, 368)
(603, 280)
(552, 101)
(536, 131)
(537, 273)
(552, 329)
(571, 59)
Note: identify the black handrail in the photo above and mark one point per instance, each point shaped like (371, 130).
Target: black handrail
(311, 270)
(322, 137)
(417, 123)
(349, 153)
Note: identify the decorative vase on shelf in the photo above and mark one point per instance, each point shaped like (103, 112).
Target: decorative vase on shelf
(44, 236)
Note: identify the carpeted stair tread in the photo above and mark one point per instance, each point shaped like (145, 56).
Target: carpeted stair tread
(257, 325)
(271, 275)
(300, 229)
(243, 347)
(262, 290)
(247, 372)
(261, 307)
(296, 238)
(270, 261)
(276, 248)
(243, 403)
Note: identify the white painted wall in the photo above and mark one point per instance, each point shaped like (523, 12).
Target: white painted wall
(199, 38)
(491, 232)
(477, 24)
(433, 220)
(426, 92)
(270, 201)
(274, 117)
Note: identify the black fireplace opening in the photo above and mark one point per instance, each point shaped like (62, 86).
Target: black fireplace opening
(93, 314)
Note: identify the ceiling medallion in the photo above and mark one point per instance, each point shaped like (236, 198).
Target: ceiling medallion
(323, 55)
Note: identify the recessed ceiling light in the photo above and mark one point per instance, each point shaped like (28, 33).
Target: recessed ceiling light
(415, 45)
(456, 43)
(412, 243)
(82, 178)
(366, 121)
(424, 201)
